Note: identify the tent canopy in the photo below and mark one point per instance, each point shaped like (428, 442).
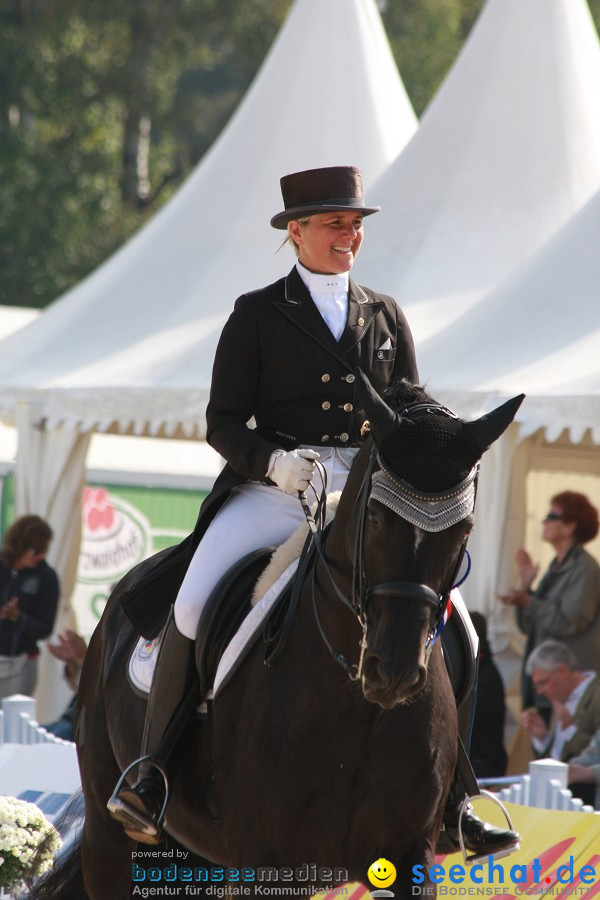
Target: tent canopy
(538, 333)
(506, 152)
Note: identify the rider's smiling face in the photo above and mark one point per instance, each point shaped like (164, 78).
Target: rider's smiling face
(329, 242)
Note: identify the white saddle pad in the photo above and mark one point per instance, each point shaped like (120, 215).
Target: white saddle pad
(142, 663)
(143, 659)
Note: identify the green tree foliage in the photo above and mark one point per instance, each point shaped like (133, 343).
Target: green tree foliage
(106, 106)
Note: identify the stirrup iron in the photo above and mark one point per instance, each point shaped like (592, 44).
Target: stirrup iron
(136, 762)
(474, 858)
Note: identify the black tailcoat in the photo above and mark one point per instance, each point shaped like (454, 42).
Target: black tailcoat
(277, 361)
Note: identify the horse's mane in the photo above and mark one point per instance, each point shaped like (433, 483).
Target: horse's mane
(402, 392)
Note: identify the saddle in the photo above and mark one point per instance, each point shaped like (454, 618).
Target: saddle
(225, 610)
(458, 656)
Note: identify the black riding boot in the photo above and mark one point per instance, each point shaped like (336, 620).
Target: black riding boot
(140, 808)
(479, 838)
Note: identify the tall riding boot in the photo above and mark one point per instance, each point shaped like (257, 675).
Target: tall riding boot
(140, 808)
(479, 838)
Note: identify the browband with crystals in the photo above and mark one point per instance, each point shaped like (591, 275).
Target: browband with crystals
(431, 512)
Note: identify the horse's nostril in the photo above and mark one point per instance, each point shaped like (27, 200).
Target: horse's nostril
(412, 682)
(421, 679)
(375, 671)
(380, 677)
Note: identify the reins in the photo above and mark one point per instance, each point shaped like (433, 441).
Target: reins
(316, 533)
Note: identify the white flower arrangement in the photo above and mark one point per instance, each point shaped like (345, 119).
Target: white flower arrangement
(28, 842)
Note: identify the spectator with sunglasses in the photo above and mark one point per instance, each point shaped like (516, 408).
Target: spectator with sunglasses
(28, 603)
(565, 604)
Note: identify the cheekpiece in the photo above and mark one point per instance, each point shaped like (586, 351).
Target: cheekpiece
(315, 191)
(430, 512)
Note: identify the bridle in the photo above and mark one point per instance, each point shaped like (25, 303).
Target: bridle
(430, 511)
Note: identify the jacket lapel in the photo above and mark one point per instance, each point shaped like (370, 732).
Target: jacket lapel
(361, 314)
(573, 744)
(298, 306)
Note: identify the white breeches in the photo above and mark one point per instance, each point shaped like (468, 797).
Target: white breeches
(254, 515)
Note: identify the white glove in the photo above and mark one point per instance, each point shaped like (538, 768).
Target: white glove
(292, 471)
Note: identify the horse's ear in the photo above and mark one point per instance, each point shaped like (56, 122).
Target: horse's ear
(489, 427)
(382, 420)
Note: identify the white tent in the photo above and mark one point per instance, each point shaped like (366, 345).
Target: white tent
(130, 349)
(506, 152)
(538, 334)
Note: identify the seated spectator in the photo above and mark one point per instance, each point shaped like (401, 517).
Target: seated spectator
(487, 751)
(574, 696)
(565, 605)
(28, 602)
(70, 649)
(585, 768)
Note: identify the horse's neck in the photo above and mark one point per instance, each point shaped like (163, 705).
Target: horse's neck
(338, 542)
(334, 578)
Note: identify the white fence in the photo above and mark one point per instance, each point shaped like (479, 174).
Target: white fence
(544, 787)
(19, 726)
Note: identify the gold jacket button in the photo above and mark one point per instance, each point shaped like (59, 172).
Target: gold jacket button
(344, 437)
(326, 405)
(361, 321)
(325, 377)
(350, 378)
(348, 407)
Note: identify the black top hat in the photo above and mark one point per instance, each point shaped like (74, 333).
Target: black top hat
(321, 190)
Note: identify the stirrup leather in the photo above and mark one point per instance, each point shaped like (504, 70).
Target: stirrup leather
(143, 822)
(474, 858)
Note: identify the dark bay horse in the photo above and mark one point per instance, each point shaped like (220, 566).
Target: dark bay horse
(300, 768)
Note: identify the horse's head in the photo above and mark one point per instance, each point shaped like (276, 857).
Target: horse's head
(411, 528)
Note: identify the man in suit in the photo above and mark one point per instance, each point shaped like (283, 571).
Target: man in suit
(575, 699)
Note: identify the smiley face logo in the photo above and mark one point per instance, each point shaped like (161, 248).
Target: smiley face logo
(382, 873)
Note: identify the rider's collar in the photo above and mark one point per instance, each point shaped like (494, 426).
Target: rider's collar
(323, 284)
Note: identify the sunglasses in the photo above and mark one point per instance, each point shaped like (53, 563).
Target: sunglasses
(552, 517)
